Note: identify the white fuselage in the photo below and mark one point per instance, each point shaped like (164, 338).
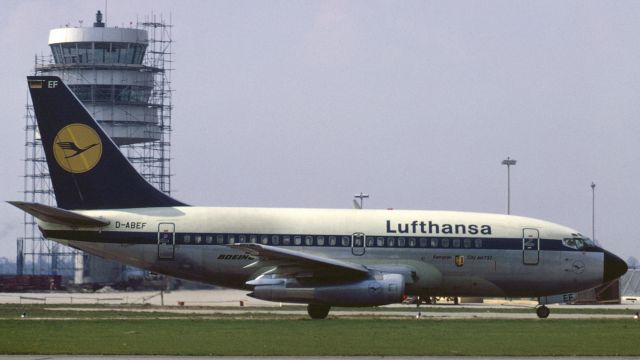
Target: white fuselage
(439, 252)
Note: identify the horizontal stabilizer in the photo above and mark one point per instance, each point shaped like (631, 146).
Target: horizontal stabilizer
(58, 216)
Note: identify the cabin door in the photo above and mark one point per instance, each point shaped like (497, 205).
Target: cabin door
(166, 241)
(358, 246)
(530, 246)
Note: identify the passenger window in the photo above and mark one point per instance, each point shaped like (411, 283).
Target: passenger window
(220, 239)
(456, 243)
(264, 239)
(370, 241)
(242, 239)
(445, 243)
(332, 241)
(380, 242)
(253, 239)
(297, 240)
(232, 239)
(320, 240)
(467, 243)
(391, 242)
(412, 242)
(286, 240)
(478, 243)
(187, 239)
(275, 240)
(434, 243)
(198, 239)
(209, 239)
(308, 240)
(423, 242)
(401, 242)
(345, 241)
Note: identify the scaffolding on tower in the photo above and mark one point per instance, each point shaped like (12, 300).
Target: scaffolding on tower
(153, 158)
(150, 152)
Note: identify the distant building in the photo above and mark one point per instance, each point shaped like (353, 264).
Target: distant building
(608, 293)
(630, 284)
(7, 267)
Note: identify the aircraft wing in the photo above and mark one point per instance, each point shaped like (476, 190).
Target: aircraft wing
(58, 216)
(291, 262)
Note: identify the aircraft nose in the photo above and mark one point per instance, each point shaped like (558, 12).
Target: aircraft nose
(614, 267)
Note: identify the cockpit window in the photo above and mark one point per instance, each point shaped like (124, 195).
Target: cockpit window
(578, 242)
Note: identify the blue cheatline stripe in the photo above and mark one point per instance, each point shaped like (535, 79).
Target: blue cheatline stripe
(295, 240)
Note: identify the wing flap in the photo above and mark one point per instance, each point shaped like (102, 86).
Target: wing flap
(58, 216)
(285, 258)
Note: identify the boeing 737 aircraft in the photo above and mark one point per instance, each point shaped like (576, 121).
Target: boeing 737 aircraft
(318, 257)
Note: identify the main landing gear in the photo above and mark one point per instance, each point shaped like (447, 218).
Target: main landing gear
(318, 311)
(542, 311)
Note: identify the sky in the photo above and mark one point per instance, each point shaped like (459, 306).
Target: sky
(306, 103)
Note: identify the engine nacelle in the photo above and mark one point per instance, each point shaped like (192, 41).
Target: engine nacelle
(388, 289)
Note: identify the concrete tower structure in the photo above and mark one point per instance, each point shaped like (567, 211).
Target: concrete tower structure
(103, 67)
(122, 77)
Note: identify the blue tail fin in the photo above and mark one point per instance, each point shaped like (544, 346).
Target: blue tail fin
(87, 169)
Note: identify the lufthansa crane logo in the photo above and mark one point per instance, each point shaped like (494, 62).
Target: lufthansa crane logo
(77, 148)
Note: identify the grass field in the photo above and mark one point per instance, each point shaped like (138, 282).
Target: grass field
(331, 337)
(144, 334)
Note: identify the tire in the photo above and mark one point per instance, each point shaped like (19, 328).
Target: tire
(317, 311)
(543, 312)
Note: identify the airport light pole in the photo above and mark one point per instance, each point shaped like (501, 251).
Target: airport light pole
(593, 211)
(360, 196)
(508, 162)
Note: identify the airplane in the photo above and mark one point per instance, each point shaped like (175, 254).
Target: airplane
(318, 257)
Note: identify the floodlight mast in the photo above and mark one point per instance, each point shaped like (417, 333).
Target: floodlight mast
(593, 211)
(509, 162)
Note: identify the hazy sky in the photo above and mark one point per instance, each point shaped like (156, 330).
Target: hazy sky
(303, 104)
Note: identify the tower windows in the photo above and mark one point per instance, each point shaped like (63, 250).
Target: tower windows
(98, 53)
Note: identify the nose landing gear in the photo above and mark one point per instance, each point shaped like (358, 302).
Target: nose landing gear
(542, 311)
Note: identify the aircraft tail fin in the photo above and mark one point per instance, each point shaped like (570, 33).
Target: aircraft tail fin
(87, 169)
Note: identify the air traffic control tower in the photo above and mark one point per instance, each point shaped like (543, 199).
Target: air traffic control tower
(103, 67)
(122, 76)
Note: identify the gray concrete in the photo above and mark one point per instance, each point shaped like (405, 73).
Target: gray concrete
(230, 302)
(229, 298)
(187, 297)
(410, 313)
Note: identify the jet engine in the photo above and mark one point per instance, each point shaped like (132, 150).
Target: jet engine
(382, 290)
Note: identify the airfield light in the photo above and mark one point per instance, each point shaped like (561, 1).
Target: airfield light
(509, 162)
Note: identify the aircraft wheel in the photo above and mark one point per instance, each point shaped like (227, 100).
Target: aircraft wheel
(317, 311)
(542, 312)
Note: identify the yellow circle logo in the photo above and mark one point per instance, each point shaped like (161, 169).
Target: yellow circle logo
(77, 148)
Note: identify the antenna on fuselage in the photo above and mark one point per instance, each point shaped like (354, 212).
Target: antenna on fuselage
(360, 196)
